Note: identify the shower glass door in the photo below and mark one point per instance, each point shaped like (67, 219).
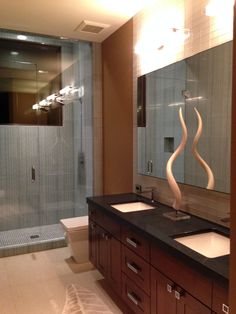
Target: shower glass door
(46, 172)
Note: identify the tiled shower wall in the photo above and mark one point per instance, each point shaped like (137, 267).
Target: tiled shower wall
(160, 50)
(55, 152)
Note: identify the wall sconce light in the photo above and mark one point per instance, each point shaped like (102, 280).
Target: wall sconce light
(64, 96)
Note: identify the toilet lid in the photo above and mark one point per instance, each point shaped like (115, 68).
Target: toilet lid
(75, 223)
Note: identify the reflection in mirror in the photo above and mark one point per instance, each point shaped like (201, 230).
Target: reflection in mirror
(29, 72)
(202, 81)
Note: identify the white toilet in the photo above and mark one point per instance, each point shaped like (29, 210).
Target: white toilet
(76, 230)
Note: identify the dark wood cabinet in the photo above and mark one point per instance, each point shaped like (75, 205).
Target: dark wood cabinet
(162, 296)
(220, 302)
(114, 264)
(148, 277)
(136, 242)
(184, 275)
(134, 296)
(102, 251)
(136, 268)
(169, 298)
(105, 253)
(189, 305)
(93, 242)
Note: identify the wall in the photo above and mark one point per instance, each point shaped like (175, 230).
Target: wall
(117, 54)
(159, 46)
(232, 299)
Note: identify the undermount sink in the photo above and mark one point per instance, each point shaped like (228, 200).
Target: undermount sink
(132, 207)
(210, 244)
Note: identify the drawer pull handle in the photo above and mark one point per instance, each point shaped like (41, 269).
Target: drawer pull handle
(225, 309)
(169, 288)
(178, 294)
(133, 298)
(132, 242)
(132, 267)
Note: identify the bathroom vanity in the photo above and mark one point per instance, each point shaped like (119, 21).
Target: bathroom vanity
(138, 255)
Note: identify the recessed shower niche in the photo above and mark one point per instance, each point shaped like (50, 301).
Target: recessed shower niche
(45, 172)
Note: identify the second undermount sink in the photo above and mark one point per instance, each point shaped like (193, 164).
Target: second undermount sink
(132, 207)
(210, 244)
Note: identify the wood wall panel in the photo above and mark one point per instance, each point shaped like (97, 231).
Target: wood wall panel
(117, 67)
(232, 299)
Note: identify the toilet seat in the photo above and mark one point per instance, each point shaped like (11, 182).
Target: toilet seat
(75, 223)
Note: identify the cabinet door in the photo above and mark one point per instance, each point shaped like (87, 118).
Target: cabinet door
(162, 294)
(93, 242)
(114, 264)
(220, 302)
(189, 305)
(102, 251)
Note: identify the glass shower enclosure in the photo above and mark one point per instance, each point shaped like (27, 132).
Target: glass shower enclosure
(46, 171)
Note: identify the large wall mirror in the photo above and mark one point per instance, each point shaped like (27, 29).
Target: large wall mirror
(204, 82)
(29, 73)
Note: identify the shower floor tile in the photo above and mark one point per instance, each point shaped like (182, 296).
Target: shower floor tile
(25, 236)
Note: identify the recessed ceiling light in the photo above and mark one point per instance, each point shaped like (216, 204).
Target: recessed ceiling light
(14, 53)
(21, 37)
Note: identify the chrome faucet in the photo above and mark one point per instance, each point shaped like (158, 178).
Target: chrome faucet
(148, 189)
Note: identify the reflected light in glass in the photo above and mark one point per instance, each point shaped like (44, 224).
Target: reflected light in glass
(21, 37)
(35, 107)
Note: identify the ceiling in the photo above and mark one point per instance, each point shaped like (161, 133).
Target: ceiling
(61, 18)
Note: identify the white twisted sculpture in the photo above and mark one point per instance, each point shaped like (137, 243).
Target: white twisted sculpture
(169, 174)
(210, 175)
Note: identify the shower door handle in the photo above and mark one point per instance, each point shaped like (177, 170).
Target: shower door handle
(33, 174)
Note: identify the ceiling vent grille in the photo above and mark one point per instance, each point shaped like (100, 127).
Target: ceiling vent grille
(91, 27)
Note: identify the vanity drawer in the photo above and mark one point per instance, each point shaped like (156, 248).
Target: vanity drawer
(220, 303)
(134, 297)
(136, 269)
(183, 275)
(136, 243)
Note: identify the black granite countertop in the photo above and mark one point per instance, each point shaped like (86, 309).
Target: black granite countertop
(162, 230)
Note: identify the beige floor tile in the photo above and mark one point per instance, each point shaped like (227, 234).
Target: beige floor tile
(36, 283)
(4, 279)
(28, 268)
(32, 299)
(7, 304)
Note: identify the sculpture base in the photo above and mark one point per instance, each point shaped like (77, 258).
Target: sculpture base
(176, 215)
